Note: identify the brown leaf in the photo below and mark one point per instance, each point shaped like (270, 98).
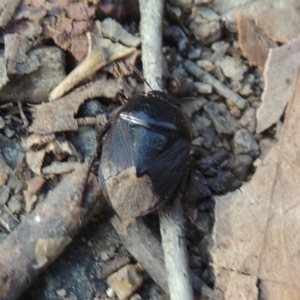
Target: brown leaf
(254, 44)
(281, 69)
(58, 115)
(67, 23)
(33, 186)
(280, 22)
(256, 233)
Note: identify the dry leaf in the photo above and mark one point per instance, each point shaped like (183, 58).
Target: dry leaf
(58, 115)
(280, 22)
(33, 186)
(36, 86)
(101, 53)
(61, 167)
(36, 140)
(254, 44)
(35, 160)
(256, 232)
(281, 69)
(17, 60)
(67, 22)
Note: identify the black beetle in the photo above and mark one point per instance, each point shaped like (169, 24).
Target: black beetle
(145, 154)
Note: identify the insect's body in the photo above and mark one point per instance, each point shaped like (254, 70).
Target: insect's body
(145, 154)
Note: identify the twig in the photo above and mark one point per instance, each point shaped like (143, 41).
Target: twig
(179, 280)
(23, 116)
(151, 34)
(219, 87)
(39, 239)
(175, 252)
(100, 119)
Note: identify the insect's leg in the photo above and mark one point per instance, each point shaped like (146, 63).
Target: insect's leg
(96, 155)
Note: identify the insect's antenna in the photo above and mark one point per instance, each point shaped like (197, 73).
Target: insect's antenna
(141, 75)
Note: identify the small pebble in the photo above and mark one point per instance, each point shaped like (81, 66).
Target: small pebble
(30, 202)
(205, 244)
(201, 123)
(100, 286)
(217, 142)
(126, 281)
(4, 195)
(265, 146)
(205, 25)
(203, 223)
(232, 67)
(110, 293)
(198, 141)
(195, 261)
(2, 123)
(220, 47)
(239, 166)
(223, 121)
(179, 72)
(14, 205)
(177, 35)
(92, 108)
(3, 178)
(8, 132)
(104, 256)
(205, 13)
(136, 297)
(61, 292)
(226, 144)
(195, 54)
(194, 105)
(206, 65)
(248, 120)
(203, 88)
(244, 143)
(246, 90)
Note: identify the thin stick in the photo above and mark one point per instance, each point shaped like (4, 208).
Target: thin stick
(175, 252)
(39, 239)
(151, 34)
(23, 116)
(178, 273)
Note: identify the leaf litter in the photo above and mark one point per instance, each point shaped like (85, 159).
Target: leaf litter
(256, 229)
(249, 275)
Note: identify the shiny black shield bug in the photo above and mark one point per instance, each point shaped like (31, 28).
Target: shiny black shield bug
(145, 154)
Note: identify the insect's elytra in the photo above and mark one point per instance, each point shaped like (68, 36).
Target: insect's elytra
(145, 154)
